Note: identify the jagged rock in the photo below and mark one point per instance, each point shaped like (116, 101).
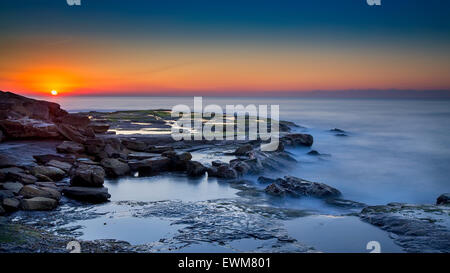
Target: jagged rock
(300, 187)
(75, 120)
(243, 150)
(39, 203)
(195, 168)
(223, 171)
(151, 165)
(17, 174)
(337, 130)
(443, 199)
(298, 139)
(217, 163)
(55, 174)
(26, 127)
(6, 194)
(11, 204)
(179, 160)
(99, 127)
(93, 195)
(60, 165)
(114, 167)
(275, 189)
(70, 147)
(72, 133)
(44, 159)
(30, 191)
(240, 166)
(15, 187)
(135, 145)
(86, 175)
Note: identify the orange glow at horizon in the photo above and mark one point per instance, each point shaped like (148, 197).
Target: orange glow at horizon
(83, 69)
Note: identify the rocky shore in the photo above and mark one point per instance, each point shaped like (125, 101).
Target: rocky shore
(81, 150)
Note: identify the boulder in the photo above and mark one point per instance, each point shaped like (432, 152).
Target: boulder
(86, 175)
(51, 185)
(243, 150)
(75, 120)
(298, 139)
(313, 152)
(135, 145)
(300, 187)
(60, 165)
(99, 127)
(44, 159)
(159, 149)
(11, 204)
(195, 168)
(93, 195)
(114, 167)
(443, 199)
(275, 189)
(55, 174)
(266, 180)
(71, 133)
(222, 171)
(30, 191)
(14, 187)
(151, 165)
(70, 147)
(337, 130)
(17, 174)
(240, 166)
(142, 155)
(39, 203)
(26, 127)
(217, 163)
(6, 194)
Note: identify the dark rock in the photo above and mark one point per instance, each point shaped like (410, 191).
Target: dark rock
(337, 130)
(217, 163)
(86, 175)
(55, 174)
(28, 128)
(15, 187)
(223, 171)
(2, 210)
(275, 189)
(44, 159)
(266, 180)
(72, 133)
(240, 166)
(142, 155)
(70, 147)
(298, 139)
(51, 185)
(135, 145)
(30, 191)
(6, 194)
(6, 161)
(300, 187)
(60, 165)
(114, 167)
(443, 199)
(11, 204)
(99, 127)
(158, 149)
(195, 168)
(39, 203)
(313, 152)
(87, 194)
(151, 165)
(341, 135)
(2, 136)
(17, 174)
(243, 150)
(75, 120)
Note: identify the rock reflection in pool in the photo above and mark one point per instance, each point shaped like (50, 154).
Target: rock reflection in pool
(168, 187)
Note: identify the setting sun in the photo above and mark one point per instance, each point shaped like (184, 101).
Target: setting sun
(54, 92)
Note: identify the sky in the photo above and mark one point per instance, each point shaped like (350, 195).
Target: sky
(246, 47)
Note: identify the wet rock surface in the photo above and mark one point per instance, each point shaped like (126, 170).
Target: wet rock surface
(299, 187)
(416, 228)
